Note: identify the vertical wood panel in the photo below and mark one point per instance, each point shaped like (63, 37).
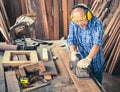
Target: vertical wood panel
(4, 30)
(27, 6)
(50, 17)
(61, 30)
(44, 18)
(65, 22)
(23, 4)
(81, 1)
(2, 8)
(70, 5)
(35, 8)
(56, 19)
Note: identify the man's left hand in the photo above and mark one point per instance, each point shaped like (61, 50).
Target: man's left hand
(84, 63)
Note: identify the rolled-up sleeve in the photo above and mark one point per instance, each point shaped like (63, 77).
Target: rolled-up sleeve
(98, 34)
(71, 40)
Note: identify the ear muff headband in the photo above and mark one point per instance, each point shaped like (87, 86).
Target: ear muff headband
(86, 9)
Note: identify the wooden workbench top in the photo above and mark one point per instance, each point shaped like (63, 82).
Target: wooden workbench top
(66, 80)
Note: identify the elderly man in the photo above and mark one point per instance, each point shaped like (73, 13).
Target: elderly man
(85, 37)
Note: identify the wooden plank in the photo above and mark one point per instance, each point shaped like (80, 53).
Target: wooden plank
(56, 19)
(2, 80)
(112, 20)
(86, 2)
(22, 71)
(23, 6)
(80, 1)
(70, 6)
(49, 8)
(84, 84)
(110, 42)
(12, 82)
(116, 56)
(102, 7)
(65, 21)
(45, 54)
(3, 29)
(4, 46)
(103, 15)
(2, 8)
(110, 59)
(44, 18)
(27, 6)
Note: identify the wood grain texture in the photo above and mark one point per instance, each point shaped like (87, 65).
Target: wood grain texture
(84, 84)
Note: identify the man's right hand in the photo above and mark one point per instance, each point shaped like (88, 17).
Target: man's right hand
(74, 56)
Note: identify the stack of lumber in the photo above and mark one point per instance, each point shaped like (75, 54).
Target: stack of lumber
(109, 12)
(4, 23)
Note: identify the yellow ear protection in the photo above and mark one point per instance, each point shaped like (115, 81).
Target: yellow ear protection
(88, 13)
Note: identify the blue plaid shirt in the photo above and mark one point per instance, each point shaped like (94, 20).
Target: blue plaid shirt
(85, 39)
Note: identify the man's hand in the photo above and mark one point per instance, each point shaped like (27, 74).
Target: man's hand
(84, 63)
(74, 56)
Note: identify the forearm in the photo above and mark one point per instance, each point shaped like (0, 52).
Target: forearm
(73, 48)
(93, 51)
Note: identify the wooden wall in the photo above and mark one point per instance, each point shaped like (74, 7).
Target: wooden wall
(52, 15)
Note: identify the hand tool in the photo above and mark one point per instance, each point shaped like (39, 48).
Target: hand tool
(24, 80)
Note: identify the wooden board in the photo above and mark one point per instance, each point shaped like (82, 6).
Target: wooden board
(12, 82)
(8, 62)
(84, 84)
(56, 19)
(50, 17)
(44, 18)
(2, 80)
(65, 21)
(45, 54)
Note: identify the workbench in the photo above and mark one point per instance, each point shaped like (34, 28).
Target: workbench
(66, 80)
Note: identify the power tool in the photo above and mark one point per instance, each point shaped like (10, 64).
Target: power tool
(81, 73)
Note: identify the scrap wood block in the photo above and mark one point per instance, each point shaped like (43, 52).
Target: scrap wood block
(48, 77)
(22, 71)
(12, 82)
(8, 60)
(45, 54)
(39, 66)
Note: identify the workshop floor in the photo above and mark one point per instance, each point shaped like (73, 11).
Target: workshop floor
(110, 83)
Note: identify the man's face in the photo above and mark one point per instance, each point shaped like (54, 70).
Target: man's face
(79, 17)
